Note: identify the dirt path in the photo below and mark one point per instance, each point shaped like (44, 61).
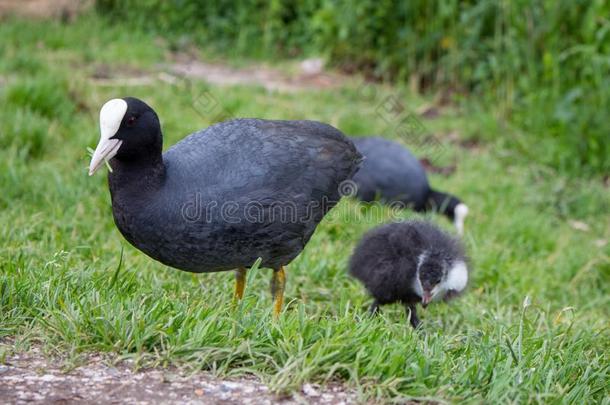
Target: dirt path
(64, 9)
(309, 74)
(32, 378)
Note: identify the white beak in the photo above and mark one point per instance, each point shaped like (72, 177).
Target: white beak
(111, 115)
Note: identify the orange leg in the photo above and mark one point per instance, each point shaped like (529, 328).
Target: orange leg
(278, 284)
(240, 282)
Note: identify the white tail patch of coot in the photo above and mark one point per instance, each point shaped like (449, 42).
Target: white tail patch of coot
(460, 213)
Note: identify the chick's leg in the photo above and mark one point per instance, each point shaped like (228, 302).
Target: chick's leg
(413, 315)
(278, 284)
(374, 308)
(240, 282)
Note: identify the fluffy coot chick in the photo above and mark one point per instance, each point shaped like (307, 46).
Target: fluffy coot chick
(391, 172)
(225, 196)
(409, 262)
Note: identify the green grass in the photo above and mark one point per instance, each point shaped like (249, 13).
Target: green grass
(59, 286)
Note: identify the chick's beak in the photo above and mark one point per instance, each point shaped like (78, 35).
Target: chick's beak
(426, 299)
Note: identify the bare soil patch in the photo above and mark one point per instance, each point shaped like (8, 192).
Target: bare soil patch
(64, 9)
(269, 78)
(309, 75)
(33, 378)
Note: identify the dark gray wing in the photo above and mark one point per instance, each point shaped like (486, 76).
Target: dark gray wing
(285, 174)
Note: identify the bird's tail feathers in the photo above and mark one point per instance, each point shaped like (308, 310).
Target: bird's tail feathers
(450, 206)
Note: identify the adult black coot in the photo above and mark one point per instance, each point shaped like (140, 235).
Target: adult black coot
(391, 173)
(223, 197)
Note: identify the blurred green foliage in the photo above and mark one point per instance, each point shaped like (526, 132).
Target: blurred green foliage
(23, 129)
(543, 64)
(43, 94)
(36, 108)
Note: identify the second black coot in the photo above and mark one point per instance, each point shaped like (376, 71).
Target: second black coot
(223, 197)
(392, 173)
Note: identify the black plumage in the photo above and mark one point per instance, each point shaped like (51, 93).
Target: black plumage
(225, 196)
(409, 262)
(392, 173)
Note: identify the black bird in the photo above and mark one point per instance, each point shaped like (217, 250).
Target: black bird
(409, 262)
(391, 173)
(225, 196)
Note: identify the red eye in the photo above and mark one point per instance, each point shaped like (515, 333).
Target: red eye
(131, 120)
